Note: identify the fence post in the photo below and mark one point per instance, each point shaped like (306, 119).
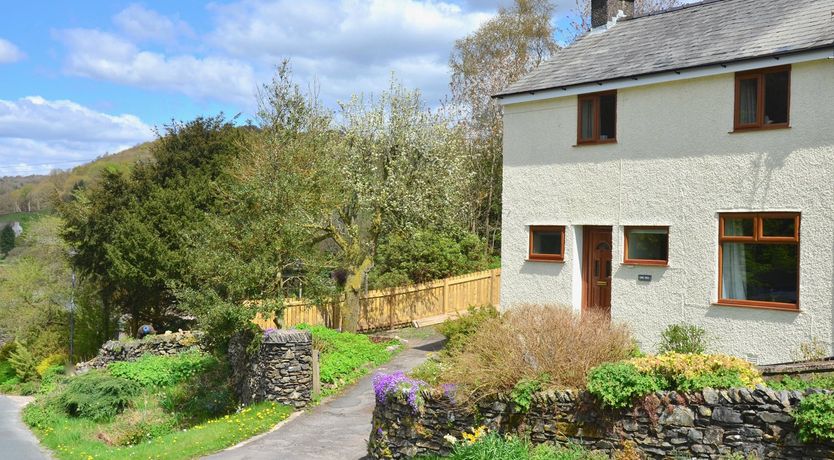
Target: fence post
(492, 299)
(316, 375)
(445, 295)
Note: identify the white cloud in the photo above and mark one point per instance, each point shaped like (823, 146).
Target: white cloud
(351, 45)
(143, 24)
(37, 135)
(9, 52)
(105, 56)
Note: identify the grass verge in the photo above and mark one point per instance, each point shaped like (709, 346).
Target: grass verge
(75, 438)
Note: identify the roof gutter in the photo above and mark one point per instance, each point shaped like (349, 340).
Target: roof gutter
(814, 54)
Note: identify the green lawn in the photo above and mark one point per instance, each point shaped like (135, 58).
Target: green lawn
(23, 217)
(76, 438)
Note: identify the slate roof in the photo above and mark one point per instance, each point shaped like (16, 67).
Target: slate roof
(706, 33)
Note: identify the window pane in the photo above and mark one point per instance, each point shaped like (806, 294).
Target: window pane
(748, 101)
(776, 97)
(547, 242)
(765, 272)
(779, 227)
(587, 118)
(608, 116)
(648, 244)
(738, 226)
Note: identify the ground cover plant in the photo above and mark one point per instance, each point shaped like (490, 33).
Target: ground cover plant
(492, 446)
(345, 357)
(815, 418)
(794, 383)
(620, 384)
(167, 407)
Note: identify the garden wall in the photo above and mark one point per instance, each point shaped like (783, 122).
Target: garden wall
(280, 369)
(162, 344)
(709, 424)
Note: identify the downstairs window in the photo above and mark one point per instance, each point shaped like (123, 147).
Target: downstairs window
(547, 243)
(759, 260)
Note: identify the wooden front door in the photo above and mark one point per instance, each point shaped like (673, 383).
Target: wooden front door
(597, 273)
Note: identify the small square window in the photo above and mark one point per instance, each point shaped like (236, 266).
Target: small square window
(763, 99)
(646, 246)
(597, 118)
(547, 243)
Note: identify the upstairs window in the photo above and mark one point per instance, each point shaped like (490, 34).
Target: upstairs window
(763, 99)
(597, 118)
(646, 246)
(759, 260)
(547, 243)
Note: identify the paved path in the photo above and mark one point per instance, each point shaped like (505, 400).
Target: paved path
(16, 441)
(336, 429)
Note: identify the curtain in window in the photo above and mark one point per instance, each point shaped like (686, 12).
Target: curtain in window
(734, 280)
(587, 119)
(748, 100)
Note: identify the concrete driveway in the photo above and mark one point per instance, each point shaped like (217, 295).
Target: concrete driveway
(16, 441)
(336, 429)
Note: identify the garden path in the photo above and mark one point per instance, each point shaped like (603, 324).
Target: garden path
(339, 427)
(16, 441)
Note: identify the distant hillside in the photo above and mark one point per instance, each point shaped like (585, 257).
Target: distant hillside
(37, 192)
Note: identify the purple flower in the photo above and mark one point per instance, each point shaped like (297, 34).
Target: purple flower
(269, 331)
(449, 390)
(398, 382)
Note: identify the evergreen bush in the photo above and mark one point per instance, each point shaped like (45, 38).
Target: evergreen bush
(95, 395)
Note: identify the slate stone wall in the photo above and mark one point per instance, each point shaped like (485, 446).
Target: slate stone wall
(161, 344)
(280, 370)
(710, 424)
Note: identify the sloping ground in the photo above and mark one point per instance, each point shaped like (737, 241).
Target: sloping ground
(336, 429)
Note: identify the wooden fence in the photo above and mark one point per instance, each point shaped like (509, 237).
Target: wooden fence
(388, 308)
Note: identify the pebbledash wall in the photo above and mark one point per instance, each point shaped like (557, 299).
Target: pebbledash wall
(675, 163)
(711, 424)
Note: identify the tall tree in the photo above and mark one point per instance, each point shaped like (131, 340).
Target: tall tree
(398, 167)
(6, 239)
(130, 232)
(500, 52)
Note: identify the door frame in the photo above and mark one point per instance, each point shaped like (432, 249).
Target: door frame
(586, 262)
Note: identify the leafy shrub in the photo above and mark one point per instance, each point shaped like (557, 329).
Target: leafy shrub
(792, 383)
(207, 395)
(532, 340)
(429, 371)
(39, 415)
(683, 338)
(95, 395)
(687, 370)
(50, 361)
(522, 393)
(24, 363)
(346, 356)
(815, 418)
(6, 372)
(162, 371)
(493, 446)
(458, 330)
(619, 384)
(427, 255)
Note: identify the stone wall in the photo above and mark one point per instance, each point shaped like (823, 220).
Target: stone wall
(162, 344)
(710, 424)
(280, 370)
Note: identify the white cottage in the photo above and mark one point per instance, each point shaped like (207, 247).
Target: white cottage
(679, 167)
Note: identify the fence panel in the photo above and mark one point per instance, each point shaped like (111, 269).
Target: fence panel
(387, 308)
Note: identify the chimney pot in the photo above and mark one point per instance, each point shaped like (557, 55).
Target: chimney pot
(603, 10)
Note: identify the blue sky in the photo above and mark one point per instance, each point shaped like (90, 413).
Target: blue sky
(80, 79)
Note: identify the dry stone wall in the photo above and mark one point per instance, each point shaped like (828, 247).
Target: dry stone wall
(711, 424)
(280, 370)
(162, 344)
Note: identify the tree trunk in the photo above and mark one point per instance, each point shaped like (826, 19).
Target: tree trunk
(353, 292)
